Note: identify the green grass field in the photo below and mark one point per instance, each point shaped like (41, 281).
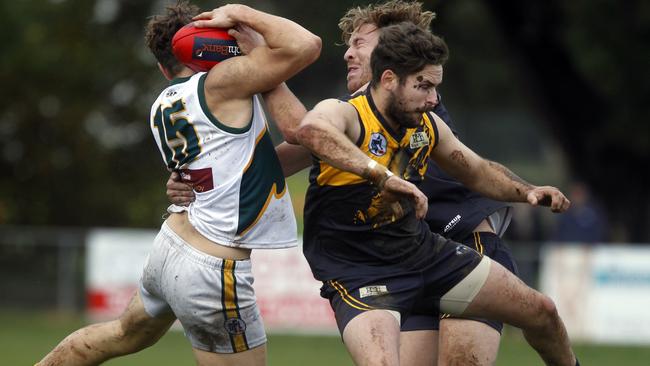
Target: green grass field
(27, 336)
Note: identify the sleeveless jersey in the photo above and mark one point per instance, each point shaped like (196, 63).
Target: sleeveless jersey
(455, 210)
(349, 225)
(242, 199)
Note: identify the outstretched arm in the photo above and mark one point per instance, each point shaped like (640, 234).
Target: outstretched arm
(491, 178)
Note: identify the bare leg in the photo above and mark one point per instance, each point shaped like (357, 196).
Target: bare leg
(418, 348)
(506, 298)
(96, 343)
(465, 342)
(372, 338)
(252, 357)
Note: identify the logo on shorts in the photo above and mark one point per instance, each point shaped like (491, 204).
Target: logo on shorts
(452, 223)
(378, 144)
(372, 291)
(235, 326)
(462, 249)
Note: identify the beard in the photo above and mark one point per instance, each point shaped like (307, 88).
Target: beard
(395, 111)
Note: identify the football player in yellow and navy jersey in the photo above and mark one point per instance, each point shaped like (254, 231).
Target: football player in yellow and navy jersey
(342, 201)
(365, 236)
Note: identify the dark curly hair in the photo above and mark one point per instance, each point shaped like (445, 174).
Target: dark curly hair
(406, 49)
(161, 29)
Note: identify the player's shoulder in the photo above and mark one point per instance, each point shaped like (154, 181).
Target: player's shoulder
(349, 97)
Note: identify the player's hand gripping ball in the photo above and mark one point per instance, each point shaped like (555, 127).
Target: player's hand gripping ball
(202, 48)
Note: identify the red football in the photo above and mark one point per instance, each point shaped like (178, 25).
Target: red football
(202, 48)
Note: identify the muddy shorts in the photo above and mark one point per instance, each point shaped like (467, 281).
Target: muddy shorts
(213, 298)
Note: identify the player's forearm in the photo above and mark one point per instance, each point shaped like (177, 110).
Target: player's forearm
(286, 110)
(281, 34)
(334, 147)
(498, 182)
(293, 158)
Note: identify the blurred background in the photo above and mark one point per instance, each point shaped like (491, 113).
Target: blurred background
(559, 91)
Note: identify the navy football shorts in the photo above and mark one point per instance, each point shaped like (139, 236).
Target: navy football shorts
(488, 244)
(414, 290)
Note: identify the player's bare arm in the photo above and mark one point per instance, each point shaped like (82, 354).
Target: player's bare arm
(293, 158)
(289, 49)
(284, 107)
(328, 131)
(491, 178)
(286, 110)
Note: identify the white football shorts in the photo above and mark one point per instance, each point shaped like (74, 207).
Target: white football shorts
(212, 297)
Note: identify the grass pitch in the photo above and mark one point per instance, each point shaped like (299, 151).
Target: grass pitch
(26, 336)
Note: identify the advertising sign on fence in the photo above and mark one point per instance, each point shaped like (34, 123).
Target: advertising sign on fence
(602, 292)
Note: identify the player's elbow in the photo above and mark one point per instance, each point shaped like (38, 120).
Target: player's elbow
(314, 47)
(307, 49)
(289, 135)
(306, 133)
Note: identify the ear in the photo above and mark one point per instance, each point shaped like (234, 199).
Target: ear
(389, 80)
(165, 72)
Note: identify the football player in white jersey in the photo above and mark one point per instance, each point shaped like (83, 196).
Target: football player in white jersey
(210, 127)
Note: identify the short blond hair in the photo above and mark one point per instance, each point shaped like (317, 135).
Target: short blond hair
(382, 15)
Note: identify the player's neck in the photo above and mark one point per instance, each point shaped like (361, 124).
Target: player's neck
(186, 72)
(381, 99)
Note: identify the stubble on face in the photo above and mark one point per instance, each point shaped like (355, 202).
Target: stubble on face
(362, 42)
(396, 111)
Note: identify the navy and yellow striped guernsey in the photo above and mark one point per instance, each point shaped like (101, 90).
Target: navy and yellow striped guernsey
(347, 221)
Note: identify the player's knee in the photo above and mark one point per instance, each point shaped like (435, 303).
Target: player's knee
(548, 306)
(546, 311)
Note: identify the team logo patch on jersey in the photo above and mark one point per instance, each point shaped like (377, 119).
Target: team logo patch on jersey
(373, 291)
(419, 139)
(235, 326)
(200, 179)
(378, 144)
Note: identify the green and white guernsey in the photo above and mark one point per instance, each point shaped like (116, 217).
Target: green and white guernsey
(242, 199)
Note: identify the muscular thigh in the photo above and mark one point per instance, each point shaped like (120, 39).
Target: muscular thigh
(418, 348)
(138, 328)
(506, 298)
(490, 245)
